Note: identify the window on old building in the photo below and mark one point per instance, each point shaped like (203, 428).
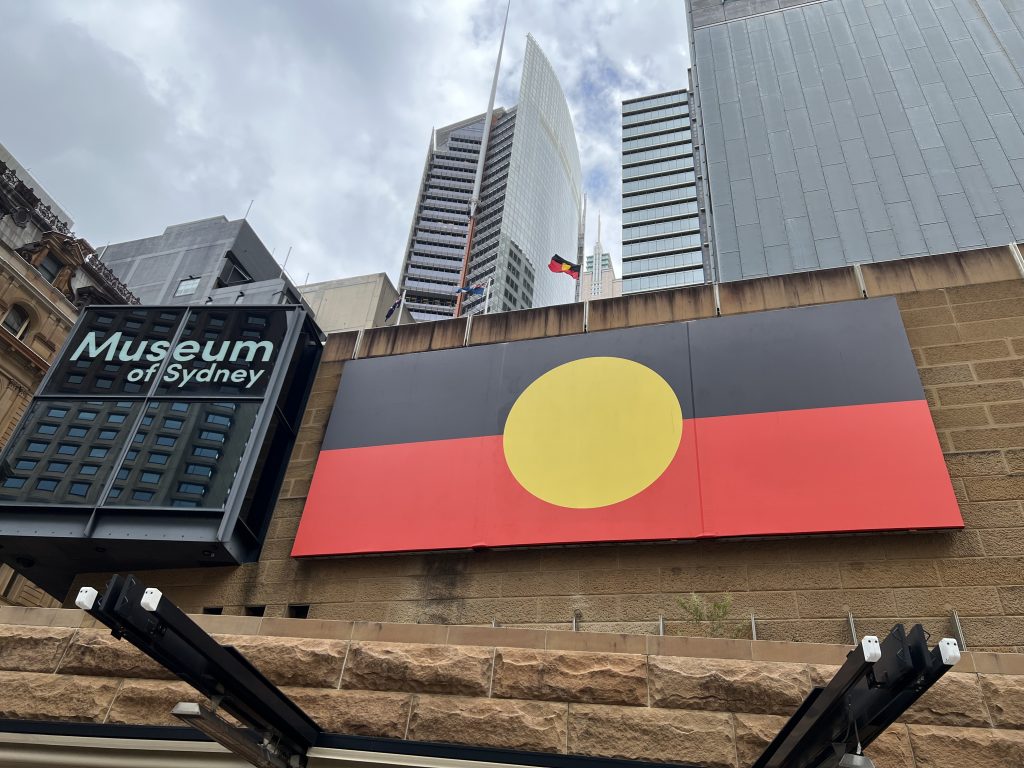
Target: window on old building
(16, 321)
(50, 267)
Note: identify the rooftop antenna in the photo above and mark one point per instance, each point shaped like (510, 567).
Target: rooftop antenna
(474, 200)
(244, 218)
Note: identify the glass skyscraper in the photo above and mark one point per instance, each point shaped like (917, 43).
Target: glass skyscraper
(661, 240)
(849, 131)
(530, 202)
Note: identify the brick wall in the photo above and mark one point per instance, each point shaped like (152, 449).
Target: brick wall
(964, 315)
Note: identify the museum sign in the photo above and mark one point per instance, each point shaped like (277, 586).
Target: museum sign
(159, 438)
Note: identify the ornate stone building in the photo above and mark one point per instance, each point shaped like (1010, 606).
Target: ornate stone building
(47, 275)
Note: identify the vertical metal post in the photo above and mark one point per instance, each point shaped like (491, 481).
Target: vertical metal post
(1017, 258)
(853, 628)
(753, 627)
(859, 274)
(359, 343)
(661, 625)
(474, 200)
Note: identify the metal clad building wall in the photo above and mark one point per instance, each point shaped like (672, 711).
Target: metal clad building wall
(850, 131)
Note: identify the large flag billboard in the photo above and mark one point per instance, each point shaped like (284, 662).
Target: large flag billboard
(797, 421)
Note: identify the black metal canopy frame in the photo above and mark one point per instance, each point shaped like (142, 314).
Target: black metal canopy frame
(276, 732)
(876, 684)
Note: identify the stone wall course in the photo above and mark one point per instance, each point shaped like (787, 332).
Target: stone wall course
(149, 702)
(593, 678)
(357, 713)
(97, 652)
(658, 735)
(955, 699)
(32, 649)
(753, 734)
(41, 696)
(504, 724)
(892, 749)
(461, 670)
(939, 747)
(727, 686)
(306, 662)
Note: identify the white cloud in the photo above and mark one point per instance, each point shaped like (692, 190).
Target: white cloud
(140, 115)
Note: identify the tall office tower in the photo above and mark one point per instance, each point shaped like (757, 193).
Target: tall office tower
(207, 261)
(530, 201)
(437, 240)
(597, 280)
(661, 240)
(847, 131)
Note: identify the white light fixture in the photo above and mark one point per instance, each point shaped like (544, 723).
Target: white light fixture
(86, 598)
(151, 599)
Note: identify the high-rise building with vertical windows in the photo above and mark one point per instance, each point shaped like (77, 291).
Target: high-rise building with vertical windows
(597, 280)
(661, 238)
(847, 131)
(529, 209)
(437, 240)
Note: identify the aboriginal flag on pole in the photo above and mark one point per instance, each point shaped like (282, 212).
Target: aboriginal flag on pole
(796, 421)
(558, 264)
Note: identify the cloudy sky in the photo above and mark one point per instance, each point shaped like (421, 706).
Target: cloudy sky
(137, 114)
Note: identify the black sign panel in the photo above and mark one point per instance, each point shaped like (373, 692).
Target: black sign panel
(147, 434)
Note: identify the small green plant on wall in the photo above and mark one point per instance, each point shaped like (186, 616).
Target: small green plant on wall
(712, 617)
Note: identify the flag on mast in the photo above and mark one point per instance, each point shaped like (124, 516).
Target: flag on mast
(558, 264)
(393, 307)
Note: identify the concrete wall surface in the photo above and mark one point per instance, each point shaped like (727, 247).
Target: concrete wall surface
(964, 316)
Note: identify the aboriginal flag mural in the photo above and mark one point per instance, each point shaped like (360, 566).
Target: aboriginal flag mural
(794, 421)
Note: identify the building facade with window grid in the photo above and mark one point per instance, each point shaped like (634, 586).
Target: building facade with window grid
(437, 238)
(661, 231)
(529, 207)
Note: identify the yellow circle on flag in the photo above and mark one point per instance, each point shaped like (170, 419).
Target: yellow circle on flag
(592, 432)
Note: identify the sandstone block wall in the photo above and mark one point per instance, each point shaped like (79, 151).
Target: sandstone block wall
(964, 317)
(713, 702)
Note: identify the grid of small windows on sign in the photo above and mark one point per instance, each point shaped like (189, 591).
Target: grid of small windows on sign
(661, 241)
(157, 410)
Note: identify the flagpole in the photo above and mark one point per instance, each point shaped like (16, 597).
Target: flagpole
(474, 199)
